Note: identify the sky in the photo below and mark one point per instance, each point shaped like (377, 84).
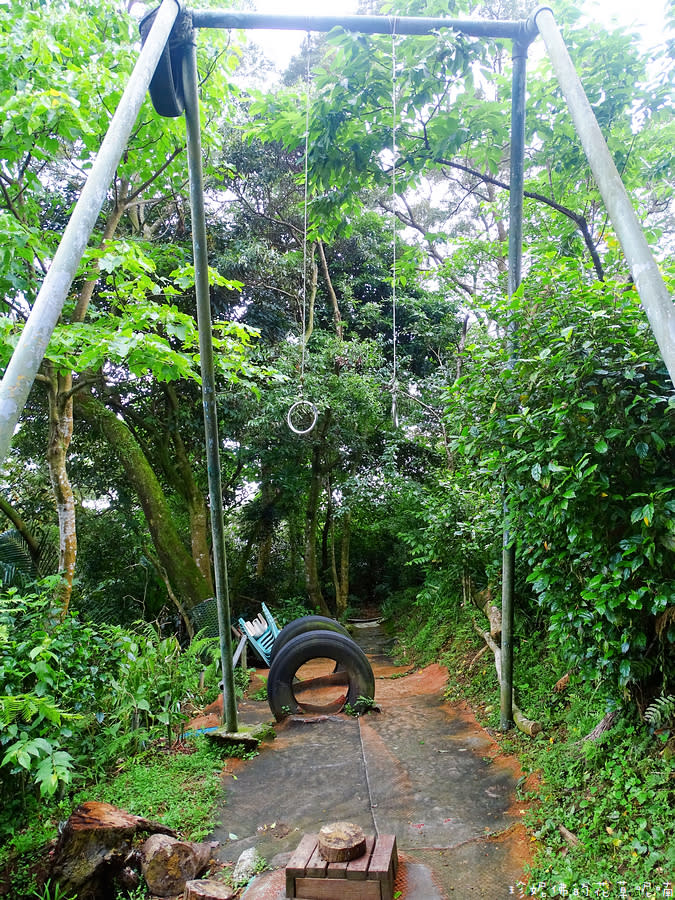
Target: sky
(646, 16)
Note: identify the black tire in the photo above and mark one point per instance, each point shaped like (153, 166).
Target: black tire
(352, 662)
(301, 626)
(166, 86)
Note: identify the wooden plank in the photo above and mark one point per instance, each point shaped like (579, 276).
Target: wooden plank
(337, 869)
(358, 868)
(383, 864)
(336, 889)
(383, 854)
(316, 865)
(298, 862)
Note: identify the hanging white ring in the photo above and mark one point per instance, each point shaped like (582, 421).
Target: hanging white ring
(306, 406)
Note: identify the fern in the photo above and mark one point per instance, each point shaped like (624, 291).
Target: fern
(29, 706)
(661, 711)
(17, 566)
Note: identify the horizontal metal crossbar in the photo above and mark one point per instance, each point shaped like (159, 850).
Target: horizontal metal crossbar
(404, 25)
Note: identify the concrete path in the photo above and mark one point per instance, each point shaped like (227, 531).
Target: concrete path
(420, 769)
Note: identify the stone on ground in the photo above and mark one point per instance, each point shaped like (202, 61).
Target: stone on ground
(169, 863)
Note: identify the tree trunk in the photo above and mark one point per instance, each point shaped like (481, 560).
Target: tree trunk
(61, 432)
(342, 596)
(337, 318)
(184, 481)
(188, 583)
(308, 312)
(314, 592)
(58, 443)
(266, 529)
(312, 584)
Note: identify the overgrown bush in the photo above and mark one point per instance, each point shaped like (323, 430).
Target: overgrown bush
(74, 697)
(574, 412)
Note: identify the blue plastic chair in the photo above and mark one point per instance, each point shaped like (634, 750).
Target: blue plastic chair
(261, 633)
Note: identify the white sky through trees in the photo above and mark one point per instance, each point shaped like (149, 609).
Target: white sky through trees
(647, 17)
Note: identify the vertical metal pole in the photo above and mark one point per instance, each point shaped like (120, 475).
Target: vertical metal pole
(30, 350)
(651, 287)
(194, 152)
(517, 176)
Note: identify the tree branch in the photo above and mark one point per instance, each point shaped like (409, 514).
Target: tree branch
(579, 220)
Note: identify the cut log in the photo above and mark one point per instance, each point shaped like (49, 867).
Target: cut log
(483, 600)
(94, 845)
(562, 683)
(208, 889)
(522, 723)
(341, 842)
(605, 724)
(569, 836)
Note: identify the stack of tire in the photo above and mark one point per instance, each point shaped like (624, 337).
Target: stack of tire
(317, 637)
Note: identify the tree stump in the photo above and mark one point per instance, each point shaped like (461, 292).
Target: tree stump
(93, 847)
(208, 889)
(341, 842)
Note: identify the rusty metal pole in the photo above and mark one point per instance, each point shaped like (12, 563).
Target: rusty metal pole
(199, 246)
(516, 182)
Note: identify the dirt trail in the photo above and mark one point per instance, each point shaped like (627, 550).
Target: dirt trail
(421, 769)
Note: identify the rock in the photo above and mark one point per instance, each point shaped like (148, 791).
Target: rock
(246, 866)
(208, 889)
(168, 863)
(93, 848)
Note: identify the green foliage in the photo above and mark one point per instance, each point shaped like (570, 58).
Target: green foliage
(260, 694)
(75, 698)
(361, 707)
(51, 892)
(614, 797)
(580, 427)
(17, 566)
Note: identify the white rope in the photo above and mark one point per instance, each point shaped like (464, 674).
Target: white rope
(305, 220)
(303, 414)
(373, 806)
(394, 153)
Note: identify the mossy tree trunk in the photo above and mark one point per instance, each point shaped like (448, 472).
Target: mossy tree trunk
(184, 481)
(312, 581)
(342, 574)
(60, 434)
(187, 581)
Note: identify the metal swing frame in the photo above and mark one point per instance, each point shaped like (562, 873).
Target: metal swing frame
(170, 45)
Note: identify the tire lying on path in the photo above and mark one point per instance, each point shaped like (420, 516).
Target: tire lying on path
(352, 679)
(301, 626)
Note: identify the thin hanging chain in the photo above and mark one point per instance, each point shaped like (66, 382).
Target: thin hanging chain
(394, 153)
(304, 227)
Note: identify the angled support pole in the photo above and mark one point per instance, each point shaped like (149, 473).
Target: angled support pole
(201, 263)
(650, 285)
(29, 353)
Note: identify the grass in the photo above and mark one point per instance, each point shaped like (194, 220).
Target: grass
(179, 790)
(602, 816)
